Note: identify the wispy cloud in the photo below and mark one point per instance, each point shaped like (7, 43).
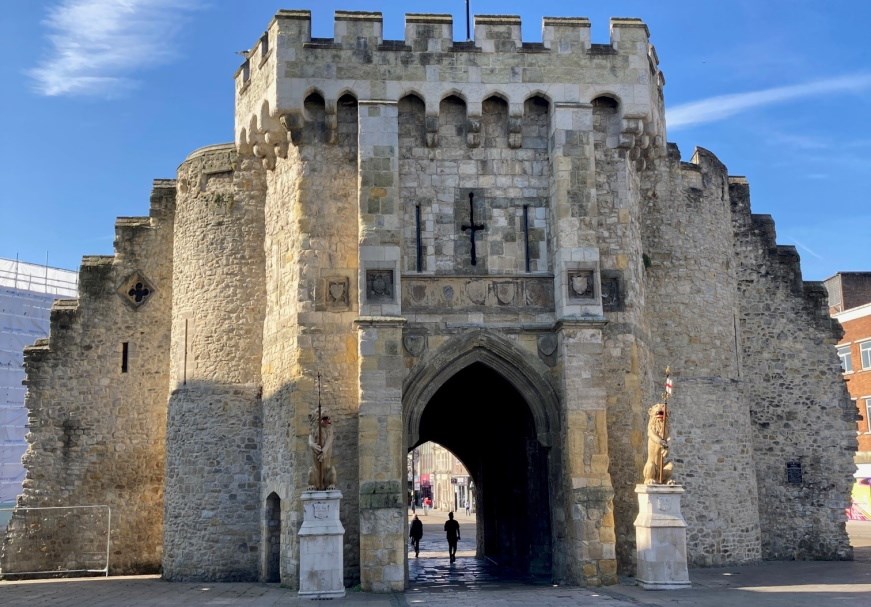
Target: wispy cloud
(725, 106)
(803, 247)
(802, 142)
(97, 44)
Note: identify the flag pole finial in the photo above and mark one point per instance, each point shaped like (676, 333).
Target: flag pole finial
(468, 32)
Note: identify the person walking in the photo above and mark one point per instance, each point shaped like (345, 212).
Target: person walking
(415, 534)
(452, 531)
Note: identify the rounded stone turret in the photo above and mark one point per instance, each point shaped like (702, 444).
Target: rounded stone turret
(217, 317)
(213, 438)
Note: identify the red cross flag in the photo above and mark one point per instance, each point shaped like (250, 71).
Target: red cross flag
(668, 385)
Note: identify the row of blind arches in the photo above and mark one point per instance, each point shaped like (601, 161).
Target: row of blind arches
(452, 112)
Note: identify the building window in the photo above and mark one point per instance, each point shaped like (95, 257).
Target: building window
(846, 360)
(865, 353)
(868, 415)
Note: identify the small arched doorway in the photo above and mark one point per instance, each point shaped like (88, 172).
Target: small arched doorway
(485, 420)
(272, 569)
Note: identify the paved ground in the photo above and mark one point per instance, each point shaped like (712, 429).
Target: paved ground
(469, 582)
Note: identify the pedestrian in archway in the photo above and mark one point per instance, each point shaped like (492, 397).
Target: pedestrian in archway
(415, 534)
(452, 531)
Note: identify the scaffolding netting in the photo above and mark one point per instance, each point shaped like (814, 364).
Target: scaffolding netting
(26, 294)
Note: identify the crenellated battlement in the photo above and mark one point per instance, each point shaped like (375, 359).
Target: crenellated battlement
(287, 65)
(433, 32)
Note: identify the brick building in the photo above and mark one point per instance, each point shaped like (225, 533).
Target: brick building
(850, 304)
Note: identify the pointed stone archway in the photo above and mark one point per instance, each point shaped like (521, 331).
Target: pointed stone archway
(482, 399)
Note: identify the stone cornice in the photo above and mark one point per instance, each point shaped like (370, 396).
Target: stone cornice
(580, 323)
(380, 321)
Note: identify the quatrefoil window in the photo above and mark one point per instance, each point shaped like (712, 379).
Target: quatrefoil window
(136, 290)
(139, 292)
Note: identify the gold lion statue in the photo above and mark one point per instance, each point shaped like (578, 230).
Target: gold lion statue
(657, 447)
(322, 474)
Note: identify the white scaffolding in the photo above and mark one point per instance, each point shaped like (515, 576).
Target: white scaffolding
(27, 291)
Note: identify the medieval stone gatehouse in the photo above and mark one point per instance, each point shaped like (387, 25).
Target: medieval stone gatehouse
(486, 244)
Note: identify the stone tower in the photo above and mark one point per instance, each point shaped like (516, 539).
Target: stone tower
(486, 244)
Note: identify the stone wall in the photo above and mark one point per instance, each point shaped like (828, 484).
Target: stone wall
(213, 447)
(96, 399)
(803, 422)
(691, 291)
(311, 274)
(620, 189)
(508, 185)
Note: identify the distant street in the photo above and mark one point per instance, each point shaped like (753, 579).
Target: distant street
(434, 544)
(860, 538)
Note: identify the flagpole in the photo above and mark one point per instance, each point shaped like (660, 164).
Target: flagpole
(468, 33)
(665, 420)
(320, 440)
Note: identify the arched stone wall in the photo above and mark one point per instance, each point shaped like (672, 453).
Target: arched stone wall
(528, 378)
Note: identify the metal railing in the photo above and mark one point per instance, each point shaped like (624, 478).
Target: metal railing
(43, 534)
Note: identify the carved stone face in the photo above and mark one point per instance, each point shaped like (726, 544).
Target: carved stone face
(658, 413)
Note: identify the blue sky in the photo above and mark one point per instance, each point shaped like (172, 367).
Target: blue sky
(102, 96)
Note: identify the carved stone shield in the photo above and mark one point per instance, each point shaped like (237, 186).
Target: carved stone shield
(418, 292)
(337, 292)
(476, 291)
(379, 286)
(506, 292)
(547, 344)
(415, 343)
(581, 284)
(538, 294)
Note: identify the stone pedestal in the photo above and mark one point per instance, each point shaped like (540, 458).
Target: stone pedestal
(321, 559)
(661, 538)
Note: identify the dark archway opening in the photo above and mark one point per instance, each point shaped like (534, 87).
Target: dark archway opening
(487, 424)
(273, 538)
